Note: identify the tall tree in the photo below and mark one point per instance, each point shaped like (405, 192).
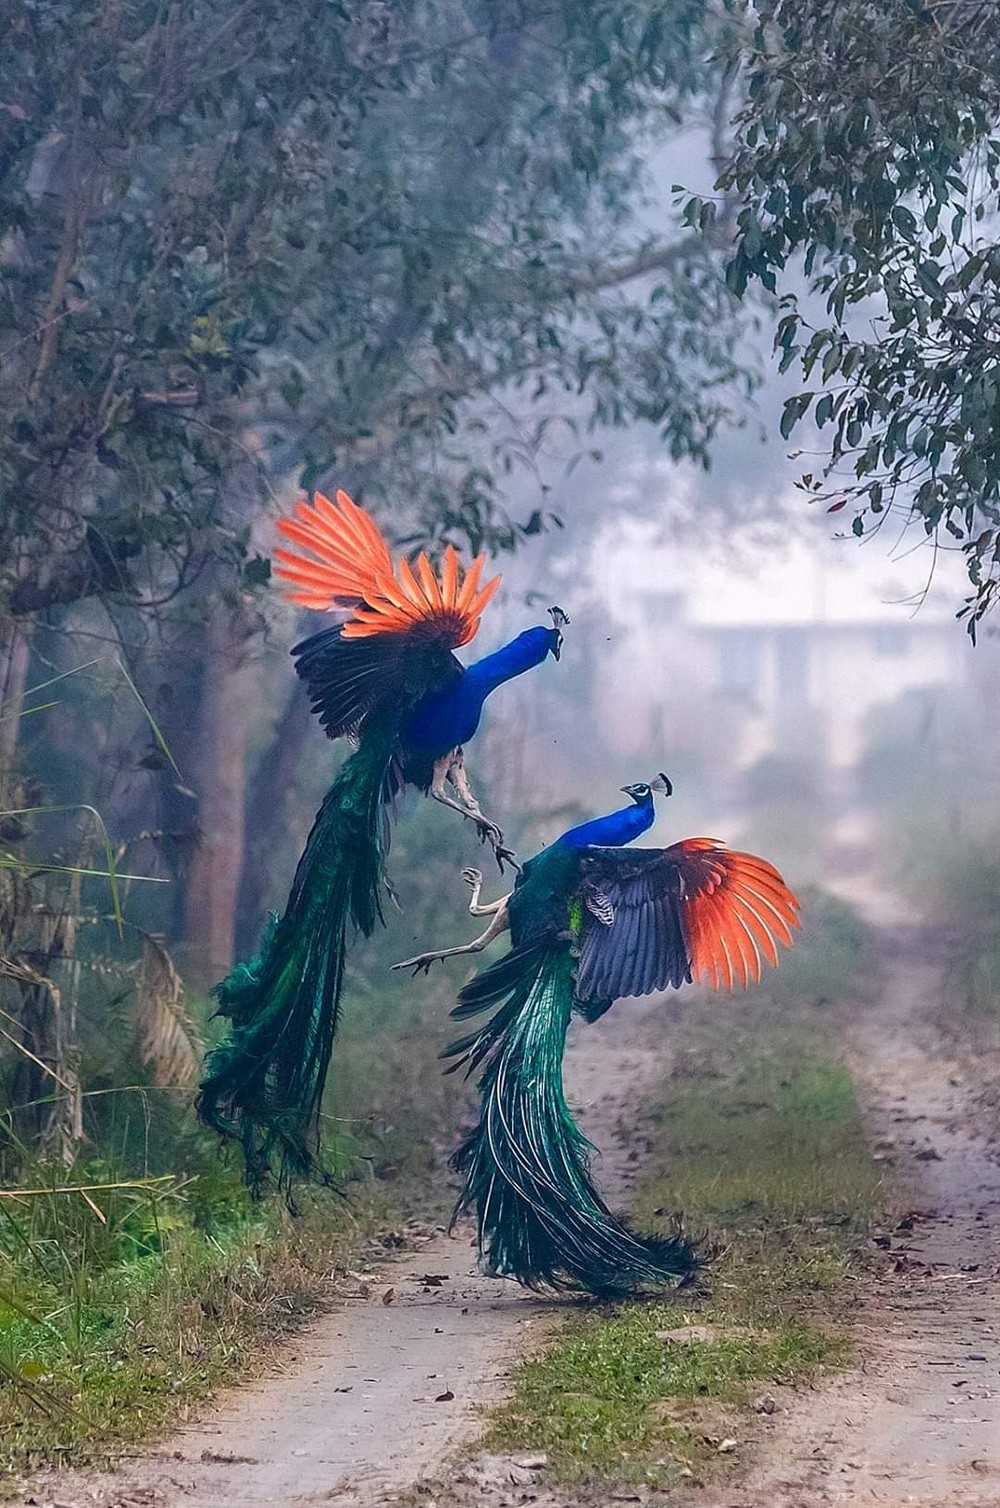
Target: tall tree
(247, 245)
(869, 148)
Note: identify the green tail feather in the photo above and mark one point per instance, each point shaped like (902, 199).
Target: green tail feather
(263, 1084)
(526, 1165)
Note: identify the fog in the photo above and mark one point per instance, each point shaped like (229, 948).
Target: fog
(810, 694)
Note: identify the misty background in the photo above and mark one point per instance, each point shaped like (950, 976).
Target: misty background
(810, 696)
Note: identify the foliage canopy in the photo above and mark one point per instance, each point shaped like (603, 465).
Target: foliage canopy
(255, 242)
(868, 147)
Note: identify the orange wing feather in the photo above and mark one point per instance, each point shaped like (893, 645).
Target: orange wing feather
(735, 908)
(342, 561)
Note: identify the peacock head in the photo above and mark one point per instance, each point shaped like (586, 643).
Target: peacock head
(644, 790)
(559, 622)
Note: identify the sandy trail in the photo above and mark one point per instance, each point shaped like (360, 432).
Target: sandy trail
(919, 1421)
(376, 1395)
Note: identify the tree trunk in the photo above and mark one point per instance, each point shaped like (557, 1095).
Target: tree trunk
(219, 779)
(14, 654)
(268, 812)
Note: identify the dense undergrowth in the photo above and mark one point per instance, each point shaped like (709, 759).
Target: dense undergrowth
(113, 1324)
(757, 1142)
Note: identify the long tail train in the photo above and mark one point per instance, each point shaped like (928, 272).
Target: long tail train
(263, 1084)
(526, 1165)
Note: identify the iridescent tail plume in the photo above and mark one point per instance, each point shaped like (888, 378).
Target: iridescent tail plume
(526, 1166)
(263, 1085)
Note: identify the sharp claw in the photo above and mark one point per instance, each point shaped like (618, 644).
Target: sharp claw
(420, 964)
(505, 856)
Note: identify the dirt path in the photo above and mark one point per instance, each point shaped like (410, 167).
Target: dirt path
(919, 1422)
(375, 1395)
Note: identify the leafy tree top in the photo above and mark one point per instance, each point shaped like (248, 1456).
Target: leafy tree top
(265, 242)
(868, 148)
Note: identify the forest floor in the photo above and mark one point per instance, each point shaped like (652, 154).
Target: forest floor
(382, 1400)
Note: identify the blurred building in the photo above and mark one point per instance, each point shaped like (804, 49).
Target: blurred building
(774, 649)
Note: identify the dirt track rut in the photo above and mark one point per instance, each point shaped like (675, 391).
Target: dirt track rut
(918, 1422)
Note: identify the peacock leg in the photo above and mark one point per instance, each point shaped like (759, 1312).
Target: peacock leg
(450, 769)
(474, 879)
(423, 961)
(488, 831)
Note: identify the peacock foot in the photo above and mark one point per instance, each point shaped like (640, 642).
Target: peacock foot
(420, 964)
(491, 834)
(506, 856)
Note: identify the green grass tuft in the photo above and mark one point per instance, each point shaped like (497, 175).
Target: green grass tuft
(111, 1330)
(610, 1401)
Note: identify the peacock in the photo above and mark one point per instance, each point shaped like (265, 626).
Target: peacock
(386, 678)
(591, 921)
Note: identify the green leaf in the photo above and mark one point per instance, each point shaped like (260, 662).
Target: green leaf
(792, 412)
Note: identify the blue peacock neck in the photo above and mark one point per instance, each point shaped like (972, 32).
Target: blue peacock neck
(451, 717)
(614, 830)
(523, 653)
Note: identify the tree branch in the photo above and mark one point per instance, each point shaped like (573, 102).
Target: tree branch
(657, 258)
(74, 219)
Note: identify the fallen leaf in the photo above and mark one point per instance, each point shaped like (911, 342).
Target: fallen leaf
(388, 1296)
(445, 1397)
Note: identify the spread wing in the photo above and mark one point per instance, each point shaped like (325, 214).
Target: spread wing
(402, 623)
(656, 918)
(351, 680)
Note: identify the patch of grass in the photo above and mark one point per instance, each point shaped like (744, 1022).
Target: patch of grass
(615, 1403)
(123, 1306)
(757, 1141)
(110, 1330)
